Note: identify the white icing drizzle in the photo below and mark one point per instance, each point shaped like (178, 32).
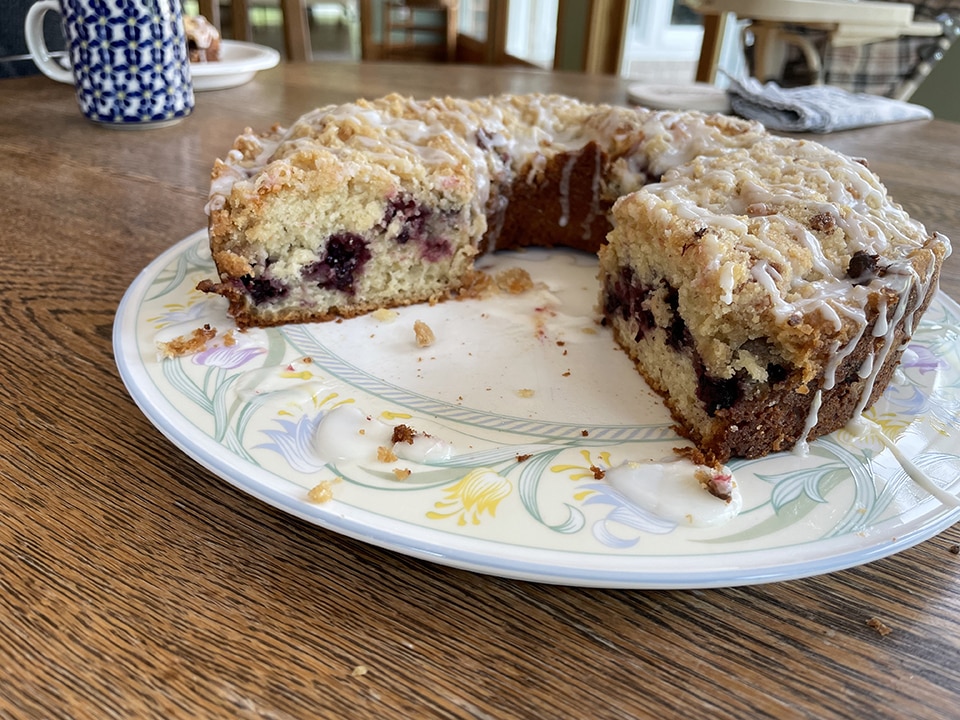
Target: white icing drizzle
(836, 357)
(727, 282)
(488, 142)
(802, 447)
(348, 434)
(565, 177)
(880, 327)
(596, 184)
(297, 379)
(674, 490)
(876, 359)
(775, 210)
(862, 425)
(880, 357)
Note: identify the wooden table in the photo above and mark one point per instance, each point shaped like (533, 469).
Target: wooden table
(134, 583)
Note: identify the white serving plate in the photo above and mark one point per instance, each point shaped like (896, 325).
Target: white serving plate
(239, 62)
(248, 413)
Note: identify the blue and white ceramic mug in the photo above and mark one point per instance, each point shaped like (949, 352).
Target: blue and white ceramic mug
(128, 59)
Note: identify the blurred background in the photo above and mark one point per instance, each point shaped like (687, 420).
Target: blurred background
(649, 41)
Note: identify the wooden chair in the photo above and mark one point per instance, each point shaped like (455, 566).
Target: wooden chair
(424, 30)
(296, 34)
(778, 24)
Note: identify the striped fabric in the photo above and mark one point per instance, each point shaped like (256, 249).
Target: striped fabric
(893, 68)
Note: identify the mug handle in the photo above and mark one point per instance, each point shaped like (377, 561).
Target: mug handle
(33, 27)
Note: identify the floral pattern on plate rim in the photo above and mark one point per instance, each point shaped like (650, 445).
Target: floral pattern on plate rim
(534, 483)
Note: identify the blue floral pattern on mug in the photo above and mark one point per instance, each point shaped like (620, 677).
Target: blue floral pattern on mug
(129, 60)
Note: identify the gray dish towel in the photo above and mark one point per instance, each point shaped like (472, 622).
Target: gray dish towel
(816, 108)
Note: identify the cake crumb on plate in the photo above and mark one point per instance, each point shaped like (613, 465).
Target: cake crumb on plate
(190, 344)
(321, 492)
(514, 281)
(385, 314)
(425, 336)
(385, 454)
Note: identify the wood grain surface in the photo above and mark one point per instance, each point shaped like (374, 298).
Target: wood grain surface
(134, 583)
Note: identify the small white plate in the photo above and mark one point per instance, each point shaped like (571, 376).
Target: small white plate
(238, 63)
(534, 397)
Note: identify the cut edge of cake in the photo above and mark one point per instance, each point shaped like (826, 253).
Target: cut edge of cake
(753, 305)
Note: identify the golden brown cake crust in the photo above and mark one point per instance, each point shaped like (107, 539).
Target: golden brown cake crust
(765, 287)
